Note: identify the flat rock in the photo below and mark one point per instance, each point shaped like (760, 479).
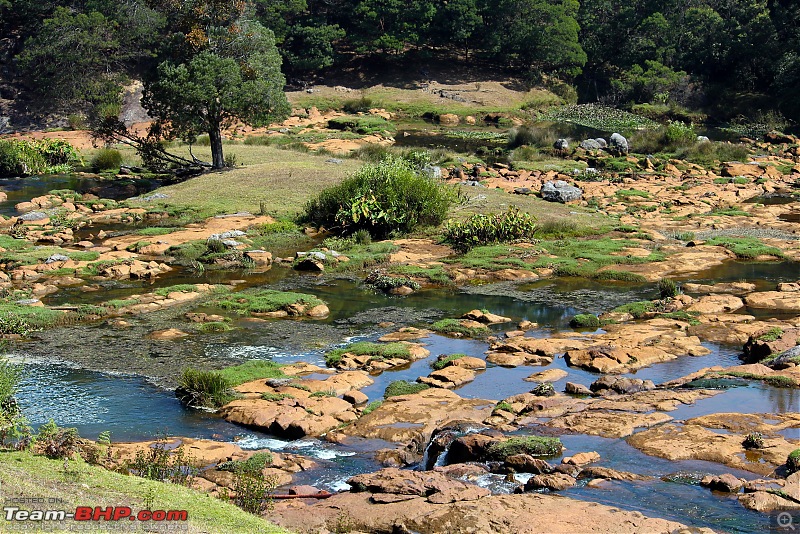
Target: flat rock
(550, 375)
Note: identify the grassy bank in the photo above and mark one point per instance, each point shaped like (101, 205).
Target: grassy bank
(24, 475)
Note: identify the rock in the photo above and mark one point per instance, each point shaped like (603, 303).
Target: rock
(470, 448)
(553, 482)
(34, 216)
(485, 317)
(561, 144)
(716, 304)
(448, 119)
(168, 334)
(608, 474)
(560, 191)
(55, 258)
(590, 144)
(550, 375)
(576, 389)
(769, 341)
(608, 424)
(787, 301)
(622, 385)
(434, 486)
(525, 463)
(617, 144)
(527, 325)
(355, 397)
(582, 458)
(726, 483)
(310, 264)
(736, 288)
(259, 257)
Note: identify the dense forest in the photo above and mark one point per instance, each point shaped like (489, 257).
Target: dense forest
(726, 56)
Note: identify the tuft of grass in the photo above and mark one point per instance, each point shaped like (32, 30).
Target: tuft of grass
(632, 193)
(155, 231)
(746, 247)
(376, 351)
(214, 326)
(121, 303)
(503, 406)
(276, 397)
(668, 288)
(436, 275)
(777, 381)
(636, 309)
(184, 288)
(204, 389)
(443, 362)
(251, 370)
(681, 315)
(403, 387)
(371, 407)
(532, 445)
(453, 326)
(773, 334)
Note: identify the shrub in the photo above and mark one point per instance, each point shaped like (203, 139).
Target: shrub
(358, 105)
(481, 230)
(680, 133)
(253, 465)
(584, 320)
(793, 461)
(381, 198)
(545, 389)
(57, 443)
(12, 423)
(160, 462)
(203, 388)
(668, 288)
(403, 387)
(107, 159)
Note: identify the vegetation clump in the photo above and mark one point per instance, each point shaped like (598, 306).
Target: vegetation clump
(376, 351)
(584, 320)
(773, 334)
(793, 461)
(204, 389)
(403, 387)
(753, 440)
(668, 288)
(454, 327)
(107, 159)
(491, 229)
(532, 445)
(365, 125)
(265, 300)
(746, 247)
(385, 197)
(446, 359)
(19, 157)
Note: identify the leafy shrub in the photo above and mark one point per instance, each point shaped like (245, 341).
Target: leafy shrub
(203, 388)
(380, 198)
(491, 229)
(668, 288)
(12, 423)
(584, 320)
(358, 105)
(23, 158)
(160, 462)
(403, 387)
(793, 461)
(57, 443)
(680, 133)
(107, 159)
(11, 323)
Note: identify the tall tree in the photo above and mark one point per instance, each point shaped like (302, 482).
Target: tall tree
(235, 76)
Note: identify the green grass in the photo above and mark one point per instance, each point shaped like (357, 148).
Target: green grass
(773, 334)
(377, 351)
(435, 275)
(251, 370)
(746, 247)
(24, 475)
(276, 397)
(263, 300)
(35, 317)
(777, 381)
(793, 461)
(532, 445)
(403, 387)
(447, 360)
(598, 117)
(453, 326)
(584, 320)
(22, 252)
(503, 406)
(121, 303)
(371, 407)
(681, 315)
(185, 288)
(214, 326)
(741, 180)
(632, 193)
(595, 253)
(493, 258)
(728, 212)
(365, 125)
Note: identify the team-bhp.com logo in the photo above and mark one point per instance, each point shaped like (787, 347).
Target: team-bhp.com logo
(87, 513)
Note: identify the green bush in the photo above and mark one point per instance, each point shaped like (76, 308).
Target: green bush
(491, 229)
(23, 158)
(107, 159)
(680, 133)
(381, 198)
(358, 105)
(584, 320)
(668, 288)
(203, 389)
(403, 387)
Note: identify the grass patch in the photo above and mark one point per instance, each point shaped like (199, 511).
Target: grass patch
(214, 326)
(453, 326)
(371, 407)
(204, 388)
(365, 125)
(793, 461)
(774, 381)
(121, 303)
(376, 351)
(773, 334)
(441, 363)
(503, 406)
(264, 300)
(746, 247)
(598, 117)
(20, 319)
(251, 370)
(184, 288)
(435, 275)
(681, 315)
(22, 473)
(493, 258)
(632, 193)
(276, 397)
(532, 445)
(584, 320)
(727, 212)
(403, 387)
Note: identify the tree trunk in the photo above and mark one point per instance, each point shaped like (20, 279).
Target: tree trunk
(217, 159)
